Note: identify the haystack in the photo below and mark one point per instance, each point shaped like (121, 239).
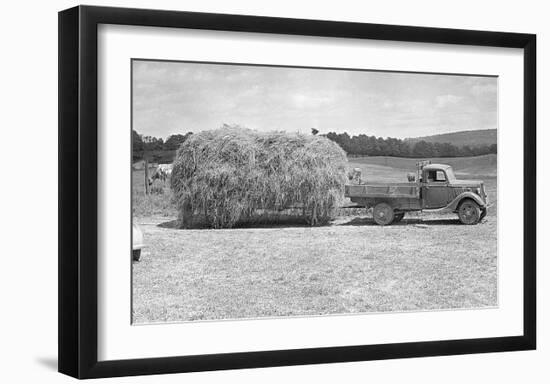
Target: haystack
(228, 176)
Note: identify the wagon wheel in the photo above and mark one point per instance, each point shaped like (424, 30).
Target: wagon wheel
(469, 212)
(383, 214)
(398, 217)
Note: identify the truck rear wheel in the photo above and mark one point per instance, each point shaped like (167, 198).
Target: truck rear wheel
(383, 214)
(469, 212)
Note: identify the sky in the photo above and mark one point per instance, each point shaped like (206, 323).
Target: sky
(178, 97)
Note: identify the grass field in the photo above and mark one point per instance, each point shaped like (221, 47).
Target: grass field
(159, 203)
(426, 262)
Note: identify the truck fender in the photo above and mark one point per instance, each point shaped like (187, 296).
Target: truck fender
(453, 205)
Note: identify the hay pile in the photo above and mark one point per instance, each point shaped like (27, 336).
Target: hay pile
(229, 175)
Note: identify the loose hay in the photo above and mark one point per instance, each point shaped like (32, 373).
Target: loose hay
(233, 175)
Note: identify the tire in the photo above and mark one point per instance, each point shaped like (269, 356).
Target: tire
(483, 214)
(383, 214)
(136, 254)
(398, 217)
(469, 212)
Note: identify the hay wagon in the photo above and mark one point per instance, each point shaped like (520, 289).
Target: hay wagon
(432, 187)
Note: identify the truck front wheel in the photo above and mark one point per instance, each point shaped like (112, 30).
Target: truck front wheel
(483, 213)
(383, 214)
(469, 212)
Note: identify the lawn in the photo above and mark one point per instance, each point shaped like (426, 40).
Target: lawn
(158, 203)
(427, 262)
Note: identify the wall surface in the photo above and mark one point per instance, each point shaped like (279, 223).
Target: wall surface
(28, 272)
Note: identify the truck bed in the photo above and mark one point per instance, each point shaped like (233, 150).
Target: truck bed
(385, 190)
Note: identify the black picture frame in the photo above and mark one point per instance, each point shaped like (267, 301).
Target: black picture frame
(78, 156)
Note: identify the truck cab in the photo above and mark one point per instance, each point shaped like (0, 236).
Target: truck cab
(439, 188)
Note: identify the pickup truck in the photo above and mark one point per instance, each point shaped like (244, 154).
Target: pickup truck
(432, 187)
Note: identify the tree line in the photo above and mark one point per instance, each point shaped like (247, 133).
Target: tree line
(152, 148)
(157, 150)
(364, 145)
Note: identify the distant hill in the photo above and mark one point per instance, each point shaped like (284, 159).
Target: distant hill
(461, 138)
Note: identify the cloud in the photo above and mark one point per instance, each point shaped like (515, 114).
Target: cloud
(171, 97)
(301, 100)
(480, 89)
(443, 101)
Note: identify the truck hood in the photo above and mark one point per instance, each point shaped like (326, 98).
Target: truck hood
(466, 183)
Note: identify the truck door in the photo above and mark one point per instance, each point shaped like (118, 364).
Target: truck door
(436, 189)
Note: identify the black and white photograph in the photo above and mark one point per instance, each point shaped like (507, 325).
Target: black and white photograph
(265, 191)
(275, 192)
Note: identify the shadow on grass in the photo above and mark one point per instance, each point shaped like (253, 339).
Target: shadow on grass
(172, 224)
(368, 221)
(279, 222)
(293, 222)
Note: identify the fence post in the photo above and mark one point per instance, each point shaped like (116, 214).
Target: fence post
(146, 177)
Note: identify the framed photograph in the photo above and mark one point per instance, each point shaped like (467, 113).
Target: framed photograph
(243, 191)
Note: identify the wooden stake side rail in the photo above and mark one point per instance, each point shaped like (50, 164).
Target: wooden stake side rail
(397, 190)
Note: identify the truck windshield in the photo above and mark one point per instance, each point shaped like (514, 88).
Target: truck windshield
(440, 175)
(450, 174)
